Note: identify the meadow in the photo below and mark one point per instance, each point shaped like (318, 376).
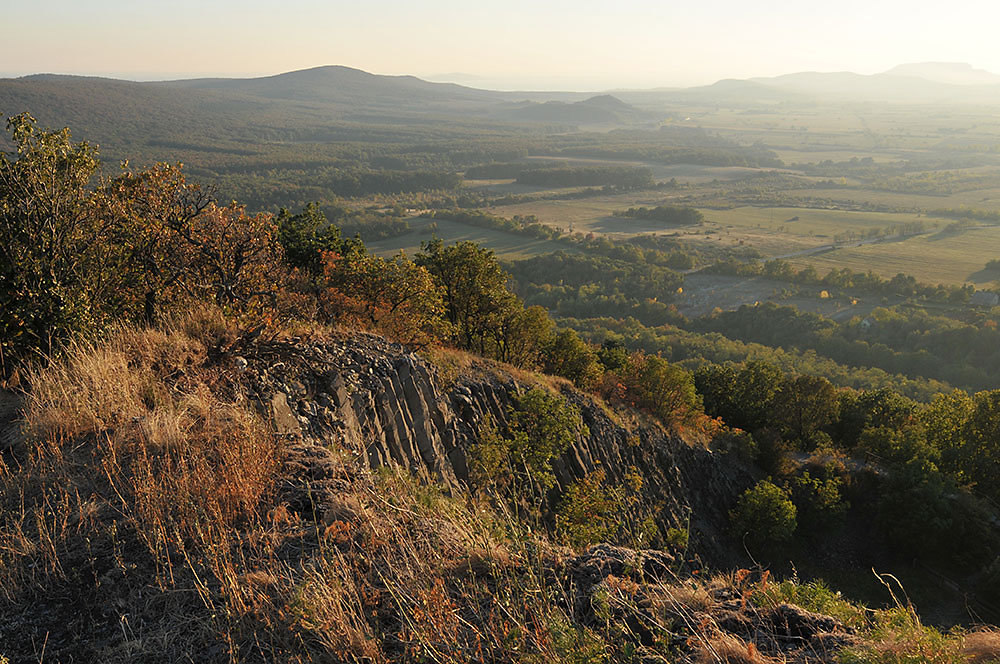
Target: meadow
(943, 257)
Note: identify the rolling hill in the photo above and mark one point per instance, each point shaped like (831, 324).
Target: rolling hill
(600, 109)
(339, 85)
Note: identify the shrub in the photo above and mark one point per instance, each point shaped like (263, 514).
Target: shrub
(764, 514)
(539, 429)
(738, 443)
(818, 502)
(664, 389)
(587, 512)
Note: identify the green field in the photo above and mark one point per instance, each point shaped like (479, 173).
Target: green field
(768, 229)
(943, 257)
(589, 214)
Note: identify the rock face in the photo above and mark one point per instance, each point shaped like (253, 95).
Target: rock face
(377, 401)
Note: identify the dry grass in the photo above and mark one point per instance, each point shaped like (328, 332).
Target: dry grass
(450, 363)
(728, 649)
(982, 646)
(148, 484)
(139, 458)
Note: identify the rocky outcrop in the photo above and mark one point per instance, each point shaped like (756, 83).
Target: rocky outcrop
(375, 400)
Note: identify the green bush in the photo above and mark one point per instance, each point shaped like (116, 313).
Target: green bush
(587, 513)
(567, 355)
(539, 429)
(738, 443)
(764, 514)
(819, 502)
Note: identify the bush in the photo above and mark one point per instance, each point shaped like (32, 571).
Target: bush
(664, 389)
(76, 255)
(539, 429)
(739, 443)
(818, 501)
(587, 512)
(764, 514)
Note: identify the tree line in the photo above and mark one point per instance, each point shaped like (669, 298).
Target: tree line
(668, 214)
(901, 284)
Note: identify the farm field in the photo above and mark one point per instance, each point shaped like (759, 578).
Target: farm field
(943, 257)
(806, 222)
(590, 214)
(685, 173)
(818, 153)
(767, 229)
(986, 198)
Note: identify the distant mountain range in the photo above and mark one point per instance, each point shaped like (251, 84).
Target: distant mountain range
(311, 104)
(594, 110)
(919, 83)
(325, 104)
(955, 73)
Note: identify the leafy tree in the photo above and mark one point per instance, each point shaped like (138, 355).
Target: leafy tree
(737, 442)
(475, 290)
(804, 405)
(665, 389)
(147, 213)
(873, 408)
(981, 458)
(819, 502)
(717, 385)
(570, 357)
(587, 513)
(521, 335)
(898, 446)
(49, 252)
(538, 429)
(306, 236)
(668, 214)
(924, 513)
(774, 454)
(944, 421)
(757, 386)
(76, 255)
(233, 257)
(613, 355)
(394, 295)
(764, 514)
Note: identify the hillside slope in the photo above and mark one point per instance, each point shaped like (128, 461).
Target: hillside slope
(386, 406)
(199, 494)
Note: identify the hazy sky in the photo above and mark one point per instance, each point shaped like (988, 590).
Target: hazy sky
(517, 43)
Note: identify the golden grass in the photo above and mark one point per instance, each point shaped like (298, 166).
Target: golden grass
(140, 450)
(982, 646)
(137, 448)
(729, 649)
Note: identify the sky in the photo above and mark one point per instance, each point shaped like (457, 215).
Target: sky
(517, 44)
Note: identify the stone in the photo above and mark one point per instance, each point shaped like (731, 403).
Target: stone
(282, 418)
(794, 621)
